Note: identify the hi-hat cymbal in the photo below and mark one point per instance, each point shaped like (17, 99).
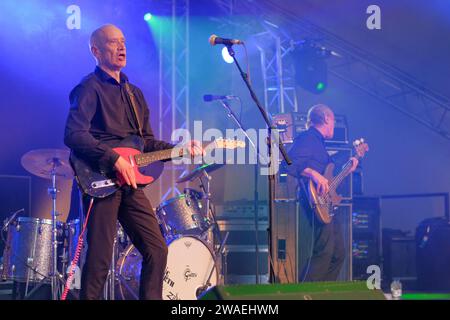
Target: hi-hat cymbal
(199, 171)
(44, 162)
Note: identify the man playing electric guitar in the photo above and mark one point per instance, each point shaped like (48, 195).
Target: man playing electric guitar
(105, 111)
(310, 159)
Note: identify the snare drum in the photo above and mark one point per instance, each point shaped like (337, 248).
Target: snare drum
(189, 265)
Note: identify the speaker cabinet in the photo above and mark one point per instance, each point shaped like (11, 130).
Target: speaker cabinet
(433, 254)
(292, 241)
(366, 225)
(243, 263)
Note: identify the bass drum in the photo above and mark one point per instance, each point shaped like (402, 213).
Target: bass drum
(189, 264)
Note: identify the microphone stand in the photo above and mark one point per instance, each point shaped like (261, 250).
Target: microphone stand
(271, 175)
(232, 115)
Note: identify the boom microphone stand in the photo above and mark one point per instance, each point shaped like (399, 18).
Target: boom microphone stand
(232, 115)
(271, 129)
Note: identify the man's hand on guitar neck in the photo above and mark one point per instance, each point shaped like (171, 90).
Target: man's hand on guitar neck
(195, 148)
(320, 181)
(126, 171)
(355, 162)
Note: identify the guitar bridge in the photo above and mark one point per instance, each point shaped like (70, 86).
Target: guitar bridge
(102, 184)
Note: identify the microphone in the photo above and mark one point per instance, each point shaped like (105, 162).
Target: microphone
(211, 97)
(213, 40)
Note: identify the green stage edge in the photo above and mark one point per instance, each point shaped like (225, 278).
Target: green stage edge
(355, 290)
(426, 296)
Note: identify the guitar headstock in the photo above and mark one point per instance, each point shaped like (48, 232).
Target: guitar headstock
(228, 143)
(361, 147)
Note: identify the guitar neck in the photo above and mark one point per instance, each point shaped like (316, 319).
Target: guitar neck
(145, 159)
(344, 173)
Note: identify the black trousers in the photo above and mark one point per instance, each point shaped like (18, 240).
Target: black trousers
(133, 210)
(321, 245)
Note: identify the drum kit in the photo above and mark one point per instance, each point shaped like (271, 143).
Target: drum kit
(196, 258)
(39, 251)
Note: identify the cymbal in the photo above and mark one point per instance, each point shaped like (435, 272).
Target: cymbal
(43, 162)
(199, 171)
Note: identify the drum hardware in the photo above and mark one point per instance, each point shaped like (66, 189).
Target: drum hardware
(207, 284)
(114, 278)
(108, 289)
(124, 281)
(210, 215)
(203, 174)
(7, 221)
(48, 164)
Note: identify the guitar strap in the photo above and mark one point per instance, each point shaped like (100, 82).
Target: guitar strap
(133, 104)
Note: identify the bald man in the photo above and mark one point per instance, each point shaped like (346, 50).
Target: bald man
(101, 115)
(310, 158)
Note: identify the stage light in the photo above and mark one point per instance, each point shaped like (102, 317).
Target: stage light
(226, 56)
(311, 71)
(148, 16)
(320, 86)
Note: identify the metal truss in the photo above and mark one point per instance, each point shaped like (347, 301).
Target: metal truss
(396, 89)
(277, 76)
(174, 86)
(375, 77)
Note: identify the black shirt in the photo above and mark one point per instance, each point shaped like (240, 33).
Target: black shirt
(101, 116)
(308, 151)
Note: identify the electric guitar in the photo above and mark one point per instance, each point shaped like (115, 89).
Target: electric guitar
(147, 166)
(324, 205)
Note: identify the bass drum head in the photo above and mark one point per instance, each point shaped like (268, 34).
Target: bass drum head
(189, 264)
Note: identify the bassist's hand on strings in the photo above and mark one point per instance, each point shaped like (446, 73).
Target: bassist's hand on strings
(322, 183)
(354, 164)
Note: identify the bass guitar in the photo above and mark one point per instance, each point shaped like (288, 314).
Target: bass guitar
(324, 205)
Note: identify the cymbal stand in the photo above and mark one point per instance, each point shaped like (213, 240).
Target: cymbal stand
(55, 276)
(216, 231)
(110, 285)
(209, 209)
(207, 284)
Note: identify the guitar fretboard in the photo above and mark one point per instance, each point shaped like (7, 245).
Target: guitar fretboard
(150, 157)
(341, 176)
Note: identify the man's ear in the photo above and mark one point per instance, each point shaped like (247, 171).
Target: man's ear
(95, 51)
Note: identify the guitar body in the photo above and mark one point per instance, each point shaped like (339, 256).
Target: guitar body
(100, 184)
(147, 166)
(323, 206)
